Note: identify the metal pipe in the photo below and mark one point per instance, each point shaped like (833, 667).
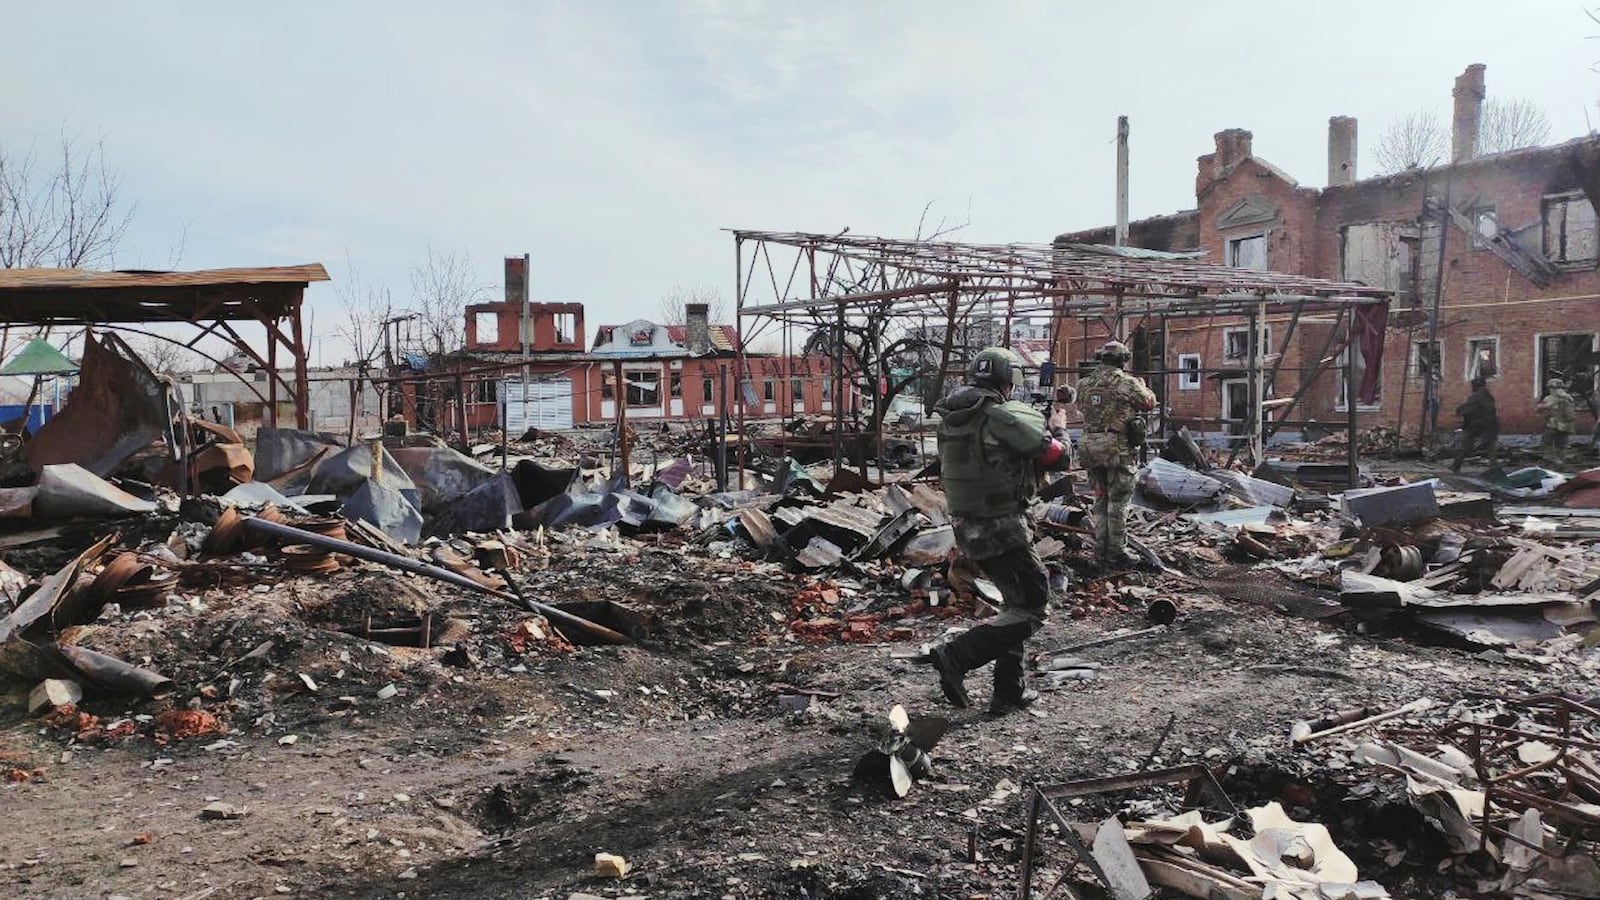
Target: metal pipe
(407, 564)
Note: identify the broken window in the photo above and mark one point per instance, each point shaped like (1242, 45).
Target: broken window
(485, 390)
(1248, 252)
(1568, 357)
(827, 389)
(486, 325)
(1407, 251)
(677, 386)
(1571, 232)
(608, 387)
(1424, 359)
(769, 389)
(707, 390)
(1361, 374)
(644, 388)
(1236, 342)
(1188, 371)
(797, 394)
(1485, 225)
(566, 327)
(1483, 358)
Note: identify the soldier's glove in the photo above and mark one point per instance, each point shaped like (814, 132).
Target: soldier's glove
(1135, 431)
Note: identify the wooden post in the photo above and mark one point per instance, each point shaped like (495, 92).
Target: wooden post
(272, 371)
(302, 384)
(1352, 459)
(621, 393)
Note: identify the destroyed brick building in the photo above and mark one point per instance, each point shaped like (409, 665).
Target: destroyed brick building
(1491, 259)
(670, 372)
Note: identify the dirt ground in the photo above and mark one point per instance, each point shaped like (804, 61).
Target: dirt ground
(495, 773)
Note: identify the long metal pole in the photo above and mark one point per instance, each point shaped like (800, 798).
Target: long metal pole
(1430, 386)
(407, 564)
(527, 338)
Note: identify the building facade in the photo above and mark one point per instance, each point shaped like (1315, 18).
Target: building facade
(1492, 261)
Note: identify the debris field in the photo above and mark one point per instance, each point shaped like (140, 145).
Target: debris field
(394, 669)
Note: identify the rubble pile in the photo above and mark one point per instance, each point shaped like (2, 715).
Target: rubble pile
(537, 596)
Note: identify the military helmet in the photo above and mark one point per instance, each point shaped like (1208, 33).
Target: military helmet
(1479, 382)
(1554, 383)
(1114, 350)
(996, 368)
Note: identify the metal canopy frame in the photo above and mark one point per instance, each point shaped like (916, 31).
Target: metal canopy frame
(209, 300)
(798, 279)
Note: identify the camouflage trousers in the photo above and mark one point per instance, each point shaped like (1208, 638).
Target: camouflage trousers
(1554, 446)
(1002, 639)
(1113, 488)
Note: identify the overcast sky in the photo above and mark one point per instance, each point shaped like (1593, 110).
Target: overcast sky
(613, 141)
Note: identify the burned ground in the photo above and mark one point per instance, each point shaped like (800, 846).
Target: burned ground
(715, 752)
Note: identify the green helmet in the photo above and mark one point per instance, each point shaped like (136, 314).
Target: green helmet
(996, 368)
(1114, 351)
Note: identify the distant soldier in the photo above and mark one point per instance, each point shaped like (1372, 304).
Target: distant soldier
(1594, 409)
(1480, 425)
(1560, 412)
(1113, 403)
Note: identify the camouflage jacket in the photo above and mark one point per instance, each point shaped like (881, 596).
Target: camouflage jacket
(1110, 398)
(1560, 412)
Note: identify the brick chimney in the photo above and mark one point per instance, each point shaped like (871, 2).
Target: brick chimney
(516, 278)
(1233, 146)
(1469, 94)
(1341, 150)
(697, 325)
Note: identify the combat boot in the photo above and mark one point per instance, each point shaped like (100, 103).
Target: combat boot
(951, 679)
(1000, 706)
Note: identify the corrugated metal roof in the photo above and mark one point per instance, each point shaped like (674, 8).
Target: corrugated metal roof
(88, 279)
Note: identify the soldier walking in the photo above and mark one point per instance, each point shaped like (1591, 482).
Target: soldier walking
(1113, 403)
(1480, 424)
(1560, 414)
(991, 451)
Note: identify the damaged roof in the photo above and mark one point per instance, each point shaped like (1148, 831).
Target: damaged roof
(85, 295)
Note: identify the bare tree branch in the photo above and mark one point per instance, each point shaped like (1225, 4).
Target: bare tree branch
(1418, 140)
(366, 309)
(441, 289)
(1421, 140)
(670, 309)
(1511, 125)
(70, 214)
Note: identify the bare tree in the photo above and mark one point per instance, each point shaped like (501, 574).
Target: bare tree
(1512, 124)
(367, 309)
(1418, 140)
(877, 349)
(62, 210)
(670, 310)
(165, 357)
(1421, 140)
(441, 289)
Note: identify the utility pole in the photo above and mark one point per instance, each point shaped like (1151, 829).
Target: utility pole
(527, 335)
(1121, 238)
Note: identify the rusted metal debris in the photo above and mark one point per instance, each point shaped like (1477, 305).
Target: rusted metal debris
(406, 564)
(116, 410)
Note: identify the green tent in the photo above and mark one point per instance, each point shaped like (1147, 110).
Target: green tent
(37, 357)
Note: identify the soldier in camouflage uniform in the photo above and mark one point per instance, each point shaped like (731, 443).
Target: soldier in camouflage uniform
(1560, 415)
(1113, 404)
(991, 451)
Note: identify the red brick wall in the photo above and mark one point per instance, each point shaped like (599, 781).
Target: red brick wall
(1481, 295)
